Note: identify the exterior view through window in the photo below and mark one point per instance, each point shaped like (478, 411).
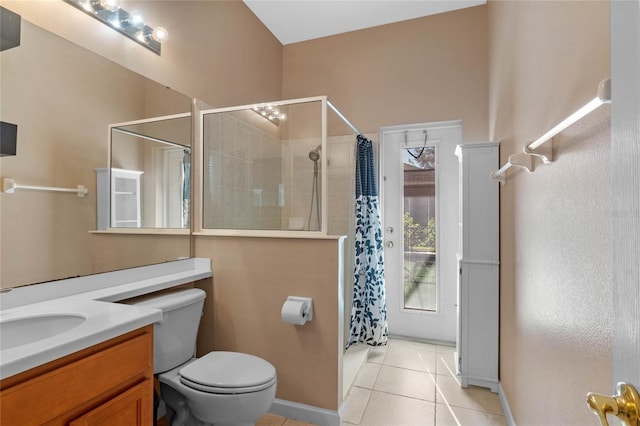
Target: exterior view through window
(419, 228)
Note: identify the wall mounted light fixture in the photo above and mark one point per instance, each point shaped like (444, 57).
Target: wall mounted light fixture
(131, 24)
(270, 112)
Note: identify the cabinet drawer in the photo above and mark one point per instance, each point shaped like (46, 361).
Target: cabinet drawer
(130, 408)
(58, 391)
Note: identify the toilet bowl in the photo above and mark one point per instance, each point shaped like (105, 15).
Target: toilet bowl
(237, 389)
(220, 388)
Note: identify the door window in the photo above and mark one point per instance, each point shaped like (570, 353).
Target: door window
(420, 228)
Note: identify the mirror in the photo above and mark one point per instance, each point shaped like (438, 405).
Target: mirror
(64, 99)
(149, 178)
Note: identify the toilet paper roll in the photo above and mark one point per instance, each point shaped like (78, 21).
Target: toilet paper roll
(293, 312)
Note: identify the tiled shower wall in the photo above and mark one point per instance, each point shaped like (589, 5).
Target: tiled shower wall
(298, 175)
(243, 175)
(255, 181)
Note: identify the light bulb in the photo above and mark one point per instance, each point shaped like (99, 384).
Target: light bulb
(86, 5)
(141, 36)
(111, 5)
(115, 22)
(136, 18)
(160, 34)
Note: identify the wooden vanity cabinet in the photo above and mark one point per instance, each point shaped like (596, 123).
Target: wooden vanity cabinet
(107, 384)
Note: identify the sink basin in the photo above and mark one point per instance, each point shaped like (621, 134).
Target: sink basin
(25, 330)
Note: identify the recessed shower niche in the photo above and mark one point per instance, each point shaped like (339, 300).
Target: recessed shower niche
(264, 165)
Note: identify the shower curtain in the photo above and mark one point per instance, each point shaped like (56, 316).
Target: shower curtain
(369, 310)
(186, 188)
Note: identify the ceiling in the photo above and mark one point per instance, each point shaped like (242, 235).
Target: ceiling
(292, 21)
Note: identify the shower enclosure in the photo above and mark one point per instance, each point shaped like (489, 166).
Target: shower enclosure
(283, 166)
(280, 169)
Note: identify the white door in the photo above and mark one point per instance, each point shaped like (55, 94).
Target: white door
(419, 195)
(625, 189)
(625, 183)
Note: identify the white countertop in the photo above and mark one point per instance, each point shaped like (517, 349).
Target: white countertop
(92, 298)
(104, 321)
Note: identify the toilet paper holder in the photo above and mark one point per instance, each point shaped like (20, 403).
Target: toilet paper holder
(307, 313)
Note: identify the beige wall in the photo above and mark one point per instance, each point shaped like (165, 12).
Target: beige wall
(424, 70)
(120, 251)
(217, 51)
(252, 278)
(546, 59)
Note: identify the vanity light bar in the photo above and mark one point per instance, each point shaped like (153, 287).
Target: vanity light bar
(131, 24)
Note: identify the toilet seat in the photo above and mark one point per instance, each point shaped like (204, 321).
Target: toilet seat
(228, 373)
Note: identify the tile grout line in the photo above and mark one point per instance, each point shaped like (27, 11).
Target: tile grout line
(450, 372)
(435, 408)
(455, 377)
(440, 357)
(370, 390)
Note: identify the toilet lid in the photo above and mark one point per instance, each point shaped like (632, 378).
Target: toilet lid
(228, 372)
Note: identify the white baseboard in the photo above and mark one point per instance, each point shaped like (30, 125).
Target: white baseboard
(305, 413)
(508, 416)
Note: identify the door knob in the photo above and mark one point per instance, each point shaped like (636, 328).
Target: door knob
(625, 405)
(390, 244)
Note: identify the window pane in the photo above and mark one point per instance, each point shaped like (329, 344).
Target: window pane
(419, 218)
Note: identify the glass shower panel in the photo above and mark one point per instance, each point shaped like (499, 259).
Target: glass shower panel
(259, 167)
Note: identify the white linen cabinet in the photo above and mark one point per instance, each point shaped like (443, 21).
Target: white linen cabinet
(478, 266)
(118, 204)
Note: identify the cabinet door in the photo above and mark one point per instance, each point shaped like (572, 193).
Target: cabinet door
(130, 408)
(125, 207)
(64, 389)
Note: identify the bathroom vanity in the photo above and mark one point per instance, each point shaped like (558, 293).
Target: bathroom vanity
(109, 383)
(69, 355)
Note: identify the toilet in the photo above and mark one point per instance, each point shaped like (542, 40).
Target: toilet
(220, 388)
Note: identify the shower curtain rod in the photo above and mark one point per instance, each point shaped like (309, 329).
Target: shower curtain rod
(344, 118)
(150, 138)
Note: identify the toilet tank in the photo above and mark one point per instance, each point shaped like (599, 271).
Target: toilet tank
(174, 338)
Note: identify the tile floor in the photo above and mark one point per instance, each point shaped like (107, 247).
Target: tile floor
(411, 384)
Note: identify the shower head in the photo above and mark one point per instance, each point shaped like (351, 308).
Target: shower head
(314, 155)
